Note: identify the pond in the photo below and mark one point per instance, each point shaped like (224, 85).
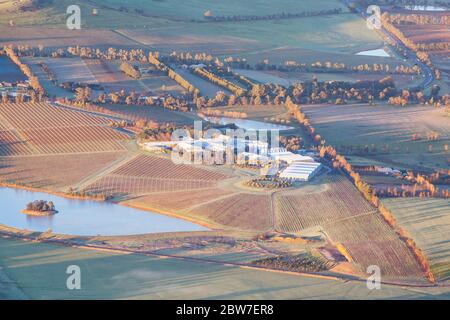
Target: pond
(248, 124)
(425, 8)
(85, 217)
(374, 53)
(9, 72)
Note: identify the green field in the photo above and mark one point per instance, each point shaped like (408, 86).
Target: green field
(39, 272)
(388, 130)
(428, 222)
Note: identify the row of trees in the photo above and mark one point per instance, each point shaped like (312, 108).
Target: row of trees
(276, 16)
(420, 19)
(34, 81)
(237, 90)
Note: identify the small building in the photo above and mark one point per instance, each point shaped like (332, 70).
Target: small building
(301, 170)
(252, 159)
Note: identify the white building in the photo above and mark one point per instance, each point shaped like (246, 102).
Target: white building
(287, 156)
(301, 170)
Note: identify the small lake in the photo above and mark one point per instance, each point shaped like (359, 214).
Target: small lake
(374, 53)
(425, 8)
(85, 217)
(248, 124)
(9, 72)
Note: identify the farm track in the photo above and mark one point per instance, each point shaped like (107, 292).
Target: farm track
(103, 172)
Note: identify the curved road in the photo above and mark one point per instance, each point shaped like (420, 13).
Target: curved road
(427, 72)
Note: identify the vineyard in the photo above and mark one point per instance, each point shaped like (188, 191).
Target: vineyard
(428, 222)
(73, 140)
(243, 211)
(161, 168)
(296, 211)
(371, 241)
(11, 145)
(122, 186)
(146, 174)
(40, 128)
(55, 171)
(180, 200)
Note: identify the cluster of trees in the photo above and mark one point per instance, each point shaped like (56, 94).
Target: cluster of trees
(269, 183)
(291, 142)
(237, 90)
(276, 16)
(41, 206)
(130, 70)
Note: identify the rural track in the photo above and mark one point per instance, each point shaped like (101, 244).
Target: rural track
(411, 55)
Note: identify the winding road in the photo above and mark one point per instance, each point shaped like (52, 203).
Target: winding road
(427, 72)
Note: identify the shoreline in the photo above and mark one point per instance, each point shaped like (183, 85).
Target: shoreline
(143, 208)
(39, 213)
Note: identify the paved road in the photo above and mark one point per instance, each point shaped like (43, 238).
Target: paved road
(410, 55)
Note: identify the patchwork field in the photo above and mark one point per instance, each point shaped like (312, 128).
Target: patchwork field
(149, 113)
(242, 211)
(387, 132)
(54, 172)
(108, 74)
(146, 174)
(371, 241)
(39, 128)
(32, 266)
(299, 209)
(428, 222)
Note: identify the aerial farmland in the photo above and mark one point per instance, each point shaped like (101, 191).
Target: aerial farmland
(267, 150)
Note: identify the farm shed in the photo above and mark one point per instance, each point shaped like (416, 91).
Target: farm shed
(300, 170)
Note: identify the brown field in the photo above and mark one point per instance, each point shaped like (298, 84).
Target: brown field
(10, 144)
(161, 168)
(242, 211)
(179, 200)
(371, 241)
(56, 171)
(426, 33)
(60, 37)
(74, 140)
(121, 186)
(25, 116)
(147, 174)
(297, 210)
(158, 114)
(45, 129)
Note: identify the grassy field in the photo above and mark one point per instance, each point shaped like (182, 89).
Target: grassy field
(389, 130)
(173, 10)
(38, 271)
(428, 222)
